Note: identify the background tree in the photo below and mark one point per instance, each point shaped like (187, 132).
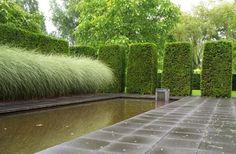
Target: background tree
(123, 22)
(13, 14)
(208, 21)
(30, 6)
(65, 18)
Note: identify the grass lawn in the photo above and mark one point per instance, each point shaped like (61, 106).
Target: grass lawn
(198, 93)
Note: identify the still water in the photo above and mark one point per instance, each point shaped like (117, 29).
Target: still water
(26, 133)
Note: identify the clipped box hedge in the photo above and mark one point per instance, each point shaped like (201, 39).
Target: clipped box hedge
(177, 69)
(217, 69)
(20, 38)
(114, 57)
(142, 68)
(83, 51)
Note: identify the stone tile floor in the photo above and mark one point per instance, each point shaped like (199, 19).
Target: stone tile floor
(192, 125)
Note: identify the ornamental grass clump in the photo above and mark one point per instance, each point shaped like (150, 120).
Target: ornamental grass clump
(28, 75)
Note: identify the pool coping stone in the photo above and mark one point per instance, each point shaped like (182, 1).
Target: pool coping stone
(18, 106)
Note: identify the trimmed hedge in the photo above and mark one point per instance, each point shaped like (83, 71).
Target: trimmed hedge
(196, 81)
(20, 38)
(217, 69)
(83, 51)
(142, 68)
(177, 69)
(114, 57)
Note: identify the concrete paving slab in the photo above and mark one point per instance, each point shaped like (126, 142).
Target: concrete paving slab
(192, 125)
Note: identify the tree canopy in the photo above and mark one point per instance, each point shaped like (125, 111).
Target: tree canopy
(206, 22)
(13, 14)
(65, 17)
(123, 22)
(30, 6)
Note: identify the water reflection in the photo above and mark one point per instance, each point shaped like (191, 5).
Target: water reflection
(34, 131)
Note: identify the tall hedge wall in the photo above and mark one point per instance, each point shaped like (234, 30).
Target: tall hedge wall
(217, 69)
(114, 57)
(20, 38)
(83, 51)
(142, 68)
(177, 68)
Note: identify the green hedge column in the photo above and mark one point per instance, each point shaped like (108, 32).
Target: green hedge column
(217, 69)
(177, 69)
(114, 57)
(83, 51)
(142, 68)
(20, 38)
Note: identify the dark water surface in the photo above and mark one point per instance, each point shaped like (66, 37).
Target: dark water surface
(34, 131)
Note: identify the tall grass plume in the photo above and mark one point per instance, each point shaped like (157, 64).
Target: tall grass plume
(28, 75)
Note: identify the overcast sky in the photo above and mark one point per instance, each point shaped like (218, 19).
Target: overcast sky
(185, 5)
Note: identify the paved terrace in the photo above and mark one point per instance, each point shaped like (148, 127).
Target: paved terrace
(192, 125)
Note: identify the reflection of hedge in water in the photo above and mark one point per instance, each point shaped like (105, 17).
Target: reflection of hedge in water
(27, 75)
(177, 69)
(62, 124)
(132, 107)
(217, 69)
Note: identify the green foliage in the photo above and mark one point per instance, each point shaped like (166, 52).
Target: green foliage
(65, 18)
(27, 75)
(177, 69)
(217, 69)
(83, 51)
(196, 80)
(206, 23)
(24, 39)
(13, 14)
(30, 6)
(124, 21)
(142, 68)
(114, 57)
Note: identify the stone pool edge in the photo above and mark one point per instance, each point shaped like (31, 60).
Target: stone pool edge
(12, 107)
(196, 125)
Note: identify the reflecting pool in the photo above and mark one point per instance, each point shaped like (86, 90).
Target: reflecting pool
(33, 131)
